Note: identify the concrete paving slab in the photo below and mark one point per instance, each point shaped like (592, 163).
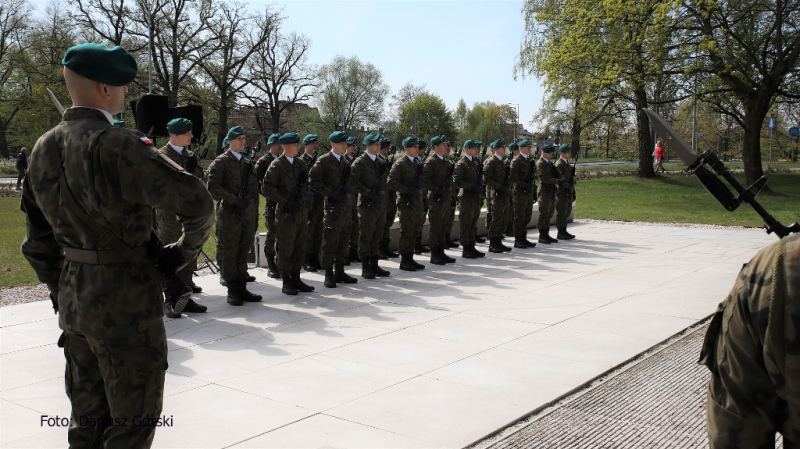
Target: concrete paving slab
(437, 358)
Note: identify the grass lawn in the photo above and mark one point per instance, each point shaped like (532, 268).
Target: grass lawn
(670, 199)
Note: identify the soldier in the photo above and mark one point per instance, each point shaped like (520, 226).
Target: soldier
(438, 175)
(497, 187)
(564, 196)
(405, 178)
(369, 174)
(466, 178)
(523, 171)
(330, 177)
(451, 216)
(513, 148)
(391, 206)
(286, 184)
(269, 211)
(168, 225)
(481, 157)
(22, 166)
(104, 287)
(546, 172)
(312, 262)
(350, 156)
(236, 216)
(419, 248)
(751, 349)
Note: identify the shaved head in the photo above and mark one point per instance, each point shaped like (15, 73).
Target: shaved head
(93, 94)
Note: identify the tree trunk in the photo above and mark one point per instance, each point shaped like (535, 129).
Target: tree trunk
(222, 129)
(275, 113)
(645, 142)
(3, 140)
(757, 108)
(576, 136)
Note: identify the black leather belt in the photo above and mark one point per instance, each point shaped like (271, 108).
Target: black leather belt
(104, 257)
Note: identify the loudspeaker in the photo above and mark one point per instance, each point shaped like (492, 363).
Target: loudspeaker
(151, 111)
(193, 112)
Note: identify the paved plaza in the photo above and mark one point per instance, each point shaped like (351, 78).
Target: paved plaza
(432, 359)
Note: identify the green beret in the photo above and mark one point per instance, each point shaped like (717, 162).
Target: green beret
(112, 66)
(309, 139)
(410, 141)
(351, 141)
(470, 144)
(289, 138)
(436, 140)
(371, 138)
(385, 143)
(119, 123)
(525, 143)
(479, 142)
(548, 148)
(498, 143)
(513, 146)
(565, 148)
(179, 126)
(338, 137)
(233, 133)
(422, 144)
(273, 138)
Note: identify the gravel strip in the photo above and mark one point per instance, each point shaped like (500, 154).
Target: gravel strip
(21, 295)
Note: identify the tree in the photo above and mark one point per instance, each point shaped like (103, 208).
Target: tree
(239, 35)
(427, 116)
(14, 24)
(350, 94)
(461, 114)
(750, 51)
(280, 75)
(107, 20)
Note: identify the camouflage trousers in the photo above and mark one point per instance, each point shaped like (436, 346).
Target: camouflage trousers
(291, 240)
(354, 222)
(563, 208)
(272, 230)
(438, 219)
(235, 239)
(523, 208)
(116, 389)
(391, 213)
(451, 217)
(468, 216)
(498, 205)
(410, 209)
(371, 230)
(547, 205)
(315, 226)
(336, 234)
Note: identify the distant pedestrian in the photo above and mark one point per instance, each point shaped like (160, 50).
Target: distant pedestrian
(660, 153)
(22, 166)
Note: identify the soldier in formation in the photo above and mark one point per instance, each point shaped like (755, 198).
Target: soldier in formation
(523, 173)
(314, 245)
(168, 226)
(273, 152)
(405, 178)
(235, 188)
(384, 250)
(566, 192)
(438, 176)
(498, 186)
(350, 156)
(548, 179)
(419, 247)
(98, 262)
(467, 179)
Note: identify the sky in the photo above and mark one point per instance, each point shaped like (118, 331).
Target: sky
(456, 49)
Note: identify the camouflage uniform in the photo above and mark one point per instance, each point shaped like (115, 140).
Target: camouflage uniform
(168, 225)
(111, 312)
(466, 181)
(353, 255)
(279, 186)
(369, 178)
(497, 184)
(752, 351)
(438, 179)
(269, 211)
(451, 216)
(405, 178)
(563, 196)
(315, 227)
(391, 214)
(326, 177)
(523, 171)
(235, 235)
(546, 172)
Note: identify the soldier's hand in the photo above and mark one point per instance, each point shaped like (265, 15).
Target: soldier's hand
(291, 206)
(170, 259)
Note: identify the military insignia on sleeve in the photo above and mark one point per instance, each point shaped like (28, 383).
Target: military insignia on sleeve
(146, 140)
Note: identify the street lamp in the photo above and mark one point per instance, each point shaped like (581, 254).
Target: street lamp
(516, 120)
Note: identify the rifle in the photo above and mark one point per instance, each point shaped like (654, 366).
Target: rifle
(481, 187)
(244, 187)
(195, 160)
(574, 180)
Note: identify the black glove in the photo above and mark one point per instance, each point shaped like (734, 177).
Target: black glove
(170, 259)
(291, 206)
(241, 203)
(338, 197)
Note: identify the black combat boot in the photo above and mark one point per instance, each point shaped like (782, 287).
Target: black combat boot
(330, 278)
(476, 252)
(564, 235)
(196, 288)
(449, 243)
(383, 249)
(444, 255)
(193, 307)
(552, 240)
(391, 254)
(288, 284)
(407, 263)
(246, 295)
(367, 270)
(502, 245)
(520, 242)
(309, 263)
(248, 278)
(436, 256)
(378, 270)
(315, 261)
(496, 246)
(416, 264)
(169, 312)
(341, 276)
(300, 285)
(353, 256)
(234, 294)
(544, 237)
(418, 246)
(467, 253)
(479, 239)
(272, 268)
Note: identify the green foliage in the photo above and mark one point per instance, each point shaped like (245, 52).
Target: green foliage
(350, 94)
(427, 116)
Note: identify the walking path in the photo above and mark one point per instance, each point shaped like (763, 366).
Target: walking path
(438, 358)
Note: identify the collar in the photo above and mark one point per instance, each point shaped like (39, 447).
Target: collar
(524, 155)
(309, 155)
(372, 156)
(177, 149)
(412, 159)
(108, 115)
(441, 158)
(546, 159)
(565, 160)
(470, 158)
(499, 158)
(337, 156)
(290, 159)
(238, 156)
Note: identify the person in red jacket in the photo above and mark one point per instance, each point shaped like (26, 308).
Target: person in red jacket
(660, 153)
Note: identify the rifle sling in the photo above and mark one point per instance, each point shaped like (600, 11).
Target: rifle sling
(132, 256)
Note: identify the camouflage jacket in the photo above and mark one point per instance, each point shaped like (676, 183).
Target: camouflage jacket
(280, 183)
(263, 164)
(224, 182)
(546, 172)
(405, 178)
(117, 177)
(364, 176)
(326, 177)
(564, 170)
(438, 178)
(523, 173)
(465, 176)
(494, 174)
(168, 226)
(753, 352)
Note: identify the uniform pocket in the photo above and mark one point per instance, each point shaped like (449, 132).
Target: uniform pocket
(138, 380)
(708, 353)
